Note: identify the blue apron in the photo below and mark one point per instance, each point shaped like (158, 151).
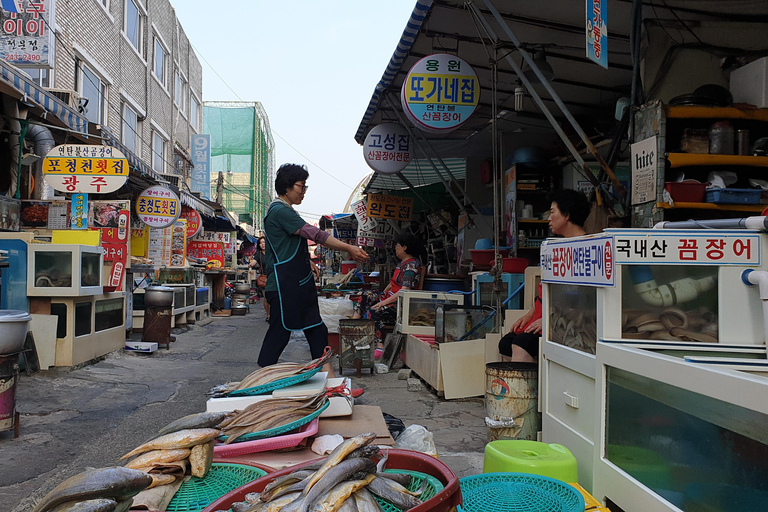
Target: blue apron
(295, 286)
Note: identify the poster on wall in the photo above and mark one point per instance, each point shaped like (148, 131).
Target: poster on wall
(387, 148)
(10, 212)
(178, 243)
(159, 246)
(158, 207)
(26, 38)
(644, 164)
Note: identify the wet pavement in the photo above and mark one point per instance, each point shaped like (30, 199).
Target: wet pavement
(87, 417)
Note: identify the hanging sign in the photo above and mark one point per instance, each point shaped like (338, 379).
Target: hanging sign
(212, 252)
(214, 236)
(79, 213)
(688, 248)
(158, 207)
(440, 92)
(643, 159)
(194, 221)
(597, 32)
(118, 234)
(200, 176)
(80, 168)
(364, 221)
(26, 38)
(389, 207)
(387, 148)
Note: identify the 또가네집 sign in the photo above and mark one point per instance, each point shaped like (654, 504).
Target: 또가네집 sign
(588, 262)
(86, 169)
(158, 207)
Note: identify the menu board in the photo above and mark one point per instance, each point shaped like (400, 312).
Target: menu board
(159, 246)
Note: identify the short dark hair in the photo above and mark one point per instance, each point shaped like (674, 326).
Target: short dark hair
(572, 204)
(288, 175)
(413, 246)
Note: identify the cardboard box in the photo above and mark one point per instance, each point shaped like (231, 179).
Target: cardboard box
(140, 346)
(364, 418)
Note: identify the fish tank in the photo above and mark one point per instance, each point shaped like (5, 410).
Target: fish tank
(459, 323)
(64, 270)
(572, 316)
(416, 310)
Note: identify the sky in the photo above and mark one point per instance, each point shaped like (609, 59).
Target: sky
(312, 64)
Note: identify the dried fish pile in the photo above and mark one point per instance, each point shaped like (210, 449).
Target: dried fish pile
(270, 374)
(345, 481)
(270, 413)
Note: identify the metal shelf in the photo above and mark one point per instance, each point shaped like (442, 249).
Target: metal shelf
(698, 112)
(713, 206)
(691, 159)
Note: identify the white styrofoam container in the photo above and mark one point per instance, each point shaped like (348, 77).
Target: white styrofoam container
(141, 346)
(311, 386)
(339, 405)
(749, 83)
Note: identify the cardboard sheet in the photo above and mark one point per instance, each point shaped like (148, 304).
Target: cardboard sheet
(364, 418)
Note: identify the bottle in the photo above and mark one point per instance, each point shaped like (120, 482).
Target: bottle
(721, 138)
(522, 240)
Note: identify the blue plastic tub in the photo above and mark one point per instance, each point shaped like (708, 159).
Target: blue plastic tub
(733, 195)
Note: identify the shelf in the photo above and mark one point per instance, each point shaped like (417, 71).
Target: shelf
(690, 159)
(524, 248)
(697, 112)
(533, 221)
(713, 206)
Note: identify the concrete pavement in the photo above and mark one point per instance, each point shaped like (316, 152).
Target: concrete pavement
(73, 419)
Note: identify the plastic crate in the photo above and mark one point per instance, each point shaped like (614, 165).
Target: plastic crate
(734, 195)
(444, 501)
(521, 492)
(197, 493)
(686, 191)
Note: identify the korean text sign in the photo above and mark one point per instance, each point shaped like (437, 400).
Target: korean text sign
(79, 215)
(387, 148)
(364, 221)
(201, 160)
(26, 38)
(597, 32)
(80, 168)
(713, 248)
(440, 93)
(588, 261)
(194, 221)
(158, 207)
(390, 207)
(208, 251)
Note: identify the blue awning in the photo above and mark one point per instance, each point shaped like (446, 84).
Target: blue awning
(134, 161)
(32, 92)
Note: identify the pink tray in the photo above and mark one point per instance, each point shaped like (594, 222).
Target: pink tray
(271, 443)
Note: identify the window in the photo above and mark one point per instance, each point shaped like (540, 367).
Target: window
(41, 77)
(180, 86)
(105, 3)
(134, 25)
(194, 107)
(95, 91)
(131, 130)
(158, 152)
(159, 63)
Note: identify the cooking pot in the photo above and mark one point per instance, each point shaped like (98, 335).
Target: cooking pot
(242, 288)
(159, 296)
(13, 330)
(239, 310)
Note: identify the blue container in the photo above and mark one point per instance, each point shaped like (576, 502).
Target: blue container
(733, 195)
(227, 303)
(443, 284)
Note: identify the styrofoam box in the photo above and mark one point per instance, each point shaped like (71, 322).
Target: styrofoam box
(339, 405)
(749, 84)
(140, 346)
(228, 404)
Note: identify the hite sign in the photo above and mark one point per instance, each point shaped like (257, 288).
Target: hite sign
(588, 262)
(644, 161)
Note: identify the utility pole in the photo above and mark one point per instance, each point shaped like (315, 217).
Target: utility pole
(219, 186)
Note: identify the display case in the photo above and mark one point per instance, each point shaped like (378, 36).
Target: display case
(62, 270)
(482, 285)
(416, 310)
(460, 323)
(184, 298)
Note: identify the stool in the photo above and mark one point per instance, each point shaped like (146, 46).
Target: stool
(520, 456)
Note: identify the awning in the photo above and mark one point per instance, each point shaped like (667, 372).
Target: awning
(196, 204)
(28, 91)
(419, 173)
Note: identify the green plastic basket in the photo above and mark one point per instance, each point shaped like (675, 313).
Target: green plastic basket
(433, 487)
(197, 493)
(271, 432)
(521, 492)
(277, 384)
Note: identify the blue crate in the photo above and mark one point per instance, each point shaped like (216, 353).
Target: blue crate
(733, 195)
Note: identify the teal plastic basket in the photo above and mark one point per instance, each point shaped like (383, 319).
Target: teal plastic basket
(278, 384)
(433, 487)
(521, 492)
(271, 432)
(197, 493)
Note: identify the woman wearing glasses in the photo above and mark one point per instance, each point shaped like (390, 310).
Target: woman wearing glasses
(290, 288)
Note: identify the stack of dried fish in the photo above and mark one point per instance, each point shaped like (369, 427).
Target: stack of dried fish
(270, 413)
(269, 374)
(186, 443)
(345, 481)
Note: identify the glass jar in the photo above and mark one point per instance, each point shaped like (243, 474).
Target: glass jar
(721, 137)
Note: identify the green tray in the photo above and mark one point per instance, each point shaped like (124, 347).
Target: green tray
(433, 487)
(521, 492)
(197, 493)
(277, 384)
(271, 432)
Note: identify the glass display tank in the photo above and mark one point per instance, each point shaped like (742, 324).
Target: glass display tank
(572, 316)
(459, 323)
(416, 310)
(61, 270)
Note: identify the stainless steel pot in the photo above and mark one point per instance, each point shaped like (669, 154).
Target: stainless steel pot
(242, 288)
(239, 310)
(158, 296)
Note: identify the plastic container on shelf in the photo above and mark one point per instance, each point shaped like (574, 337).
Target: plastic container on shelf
(733, 195)
(688, 191)
(721, 138)
(484, 257)
(514, 265)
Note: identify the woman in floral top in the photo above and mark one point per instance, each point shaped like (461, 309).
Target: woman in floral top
(382, 306)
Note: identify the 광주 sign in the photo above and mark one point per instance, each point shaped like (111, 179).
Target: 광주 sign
(87, 169)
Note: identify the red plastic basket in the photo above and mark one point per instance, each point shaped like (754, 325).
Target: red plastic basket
(484, 257)
(444, 501)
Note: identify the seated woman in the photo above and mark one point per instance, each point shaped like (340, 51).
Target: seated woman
(569, 211)
(382, 306)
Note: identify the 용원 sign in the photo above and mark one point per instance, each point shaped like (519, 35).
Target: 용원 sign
(588, 262)
(387, 148)
(85, 169)
(440, 92)
(158, 207)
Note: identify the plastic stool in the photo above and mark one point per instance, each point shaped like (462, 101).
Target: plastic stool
(519, 456)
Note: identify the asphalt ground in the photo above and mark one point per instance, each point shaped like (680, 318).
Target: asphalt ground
(89, 416)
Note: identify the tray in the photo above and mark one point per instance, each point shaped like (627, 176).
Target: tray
(280, 383)
(433, 487)
(197, 493)
(522, 492)
(733, 195)
(263, 445)
(271, 432)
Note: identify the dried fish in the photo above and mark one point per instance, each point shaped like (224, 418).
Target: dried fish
(335, 498)
(180, 439)
(158, 457)
(384, 488)
(199, 420)
(268, 414)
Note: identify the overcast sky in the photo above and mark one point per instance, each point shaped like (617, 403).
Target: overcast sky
(312, 64)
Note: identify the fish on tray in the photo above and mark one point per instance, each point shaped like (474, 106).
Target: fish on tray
(180, 439)
(116, 483)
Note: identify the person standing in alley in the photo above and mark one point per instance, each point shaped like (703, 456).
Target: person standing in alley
(290, 288)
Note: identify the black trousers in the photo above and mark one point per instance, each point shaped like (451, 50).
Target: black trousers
(277, 336)
(528, 341)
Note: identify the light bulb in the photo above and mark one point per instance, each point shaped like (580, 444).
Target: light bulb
(519, 95)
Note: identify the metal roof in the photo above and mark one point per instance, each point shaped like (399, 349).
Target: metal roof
(419, 173)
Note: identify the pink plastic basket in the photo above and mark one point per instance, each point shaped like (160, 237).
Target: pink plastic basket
(270, 443)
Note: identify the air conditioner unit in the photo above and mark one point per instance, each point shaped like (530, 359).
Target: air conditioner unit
(68, 96)
(172, 179)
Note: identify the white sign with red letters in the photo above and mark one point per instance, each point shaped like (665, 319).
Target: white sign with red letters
(584, 261)
(689, 248)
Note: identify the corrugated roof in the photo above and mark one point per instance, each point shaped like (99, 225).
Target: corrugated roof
(420, 173)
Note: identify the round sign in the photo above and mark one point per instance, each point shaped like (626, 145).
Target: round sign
(440, 92)
(387, 148)
(194, 221)
(158, 207)
(85, 169)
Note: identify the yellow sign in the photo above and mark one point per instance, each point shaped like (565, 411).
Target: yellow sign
(390, 207)
(80, 168)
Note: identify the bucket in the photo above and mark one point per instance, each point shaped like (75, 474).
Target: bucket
(348, 266)
(227, 303)
(512, 391)
(9, 376)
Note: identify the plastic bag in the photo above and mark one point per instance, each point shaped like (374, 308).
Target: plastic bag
(417, 438)
(333, 310)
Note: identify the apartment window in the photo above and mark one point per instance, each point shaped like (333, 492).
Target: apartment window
(134, 24)
(194, 108)
(159, 63)
(41, 77)
(158, 152)
(94, 90)
(180, 86)
(131, 138)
